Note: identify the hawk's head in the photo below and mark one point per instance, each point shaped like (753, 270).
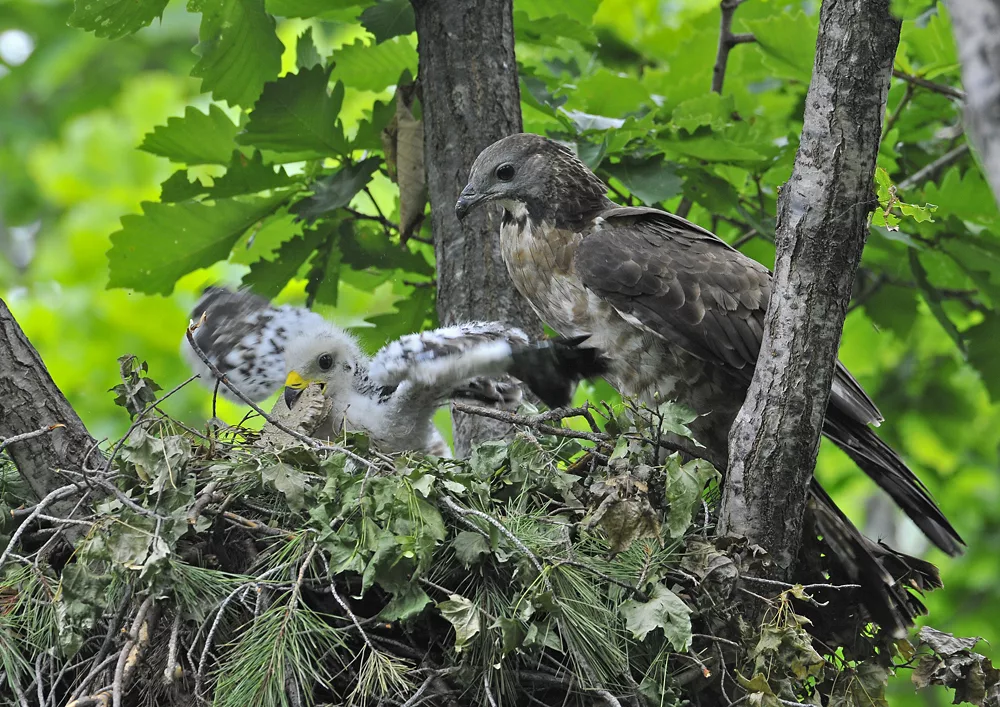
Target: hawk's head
(532, 173)
(328, 356)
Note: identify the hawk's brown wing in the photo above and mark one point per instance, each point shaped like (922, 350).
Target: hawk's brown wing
(687, 285)
(679, 281)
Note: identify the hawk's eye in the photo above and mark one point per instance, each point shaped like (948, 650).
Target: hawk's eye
(325, 362)
(505, 172)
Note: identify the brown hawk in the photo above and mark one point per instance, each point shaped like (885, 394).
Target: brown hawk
(679, 314)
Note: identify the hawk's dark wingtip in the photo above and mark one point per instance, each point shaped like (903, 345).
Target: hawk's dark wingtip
(552, 369)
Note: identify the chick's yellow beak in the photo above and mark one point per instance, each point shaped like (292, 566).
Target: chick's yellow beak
(294, 385)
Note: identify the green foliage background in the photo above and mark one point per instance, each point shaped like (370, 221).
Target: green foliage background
(104, 247)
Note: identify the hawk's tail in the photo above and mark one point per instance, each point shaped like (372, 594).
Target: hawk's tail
(889, 471)
(885, 576)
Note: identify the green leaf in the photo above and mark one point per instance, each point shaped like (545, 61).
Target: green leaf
(369, 135)
(548, 30)
(405, 604)
(711, 109)
(196, 138)
(287, 480)
(967, 197)
(788, 42)
(268, 277)
(580, 10)
(684, 486)
(79, 603)
(153, 250)
(296, 115)
(306, 54)
(652, 179)
(160, 460)
(463, 615)
(469, 546)
(607, 93)
(239, 49)
(178, 188)
(983, 339)
(934, 300)
(307, 9)
(336, 190)
(367, 246)
(376, 66)
(388, 19)
(248, 176)
(324, 271)
(664, 610)
(113, 19)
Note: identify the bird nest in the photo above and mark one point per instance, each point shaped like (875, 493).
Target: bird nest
(563, 566)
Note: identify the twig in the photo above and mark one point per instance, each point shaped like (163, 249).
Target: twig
(173, 669)
(805, 587)
(462, 511)
(52, 497)
(386, 223)
(199, 505)
(533, 422)
(128, 659)
(894, 116)
(745, 238)
(928, 171)
(486, 686)
(420, 690)
(310, 441)
(930, 85)
(727, 40)
(29, 435)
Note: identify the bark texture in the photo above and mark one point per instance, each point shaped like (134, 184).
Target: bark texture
(821, 232)
(976, 24)
(470, 99)
(30, 400)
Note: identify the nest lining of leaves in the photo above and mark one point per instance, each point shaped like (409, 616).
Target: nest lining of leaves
(542, 570)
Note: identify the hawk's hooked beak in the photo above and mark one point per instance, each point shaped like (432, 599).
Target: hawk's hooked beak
(467, 200)
(294, 385)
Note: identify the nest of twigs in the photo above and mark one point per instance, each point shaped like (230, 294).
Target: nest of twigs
(568, 566)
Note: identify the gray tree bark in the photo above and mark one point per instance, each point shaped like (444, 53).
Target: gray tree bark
(822, 226)
(976, 24)
(470, 98)
(30, 401)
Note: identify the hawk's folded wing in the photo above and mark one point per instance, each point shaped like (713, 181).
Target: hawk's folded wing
(690, 287)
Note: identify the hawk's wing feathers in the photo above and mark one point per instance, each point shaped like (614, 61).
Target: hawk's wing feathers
(690, 287)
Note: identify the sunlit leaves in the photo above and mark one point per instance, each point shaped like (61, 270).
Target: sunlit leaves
(154, 249)
(296, 115)
(239, 49)
(196, 138)
(115, 18)
(374, 67)
(248, 175)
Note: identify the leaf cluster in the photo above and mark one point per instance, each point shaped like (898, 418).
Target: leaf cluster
(535, 570)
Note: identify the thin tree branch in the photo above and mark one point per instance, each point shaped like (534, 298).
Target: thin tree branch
(930, 85)
(727, 40)
(929, 171)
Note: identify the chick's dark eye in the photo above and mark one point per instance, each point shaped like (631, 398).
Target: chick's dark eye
(505, 172)
(325, 362)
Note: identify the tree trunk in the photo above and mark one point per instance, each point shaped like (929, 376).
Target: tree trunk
(976, 24)
(822, 225)
(29, 401)
(470, 98)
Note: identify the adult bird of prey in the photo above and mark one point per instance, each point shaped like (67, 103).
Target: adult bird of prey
(679, 314)
(393, 396)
